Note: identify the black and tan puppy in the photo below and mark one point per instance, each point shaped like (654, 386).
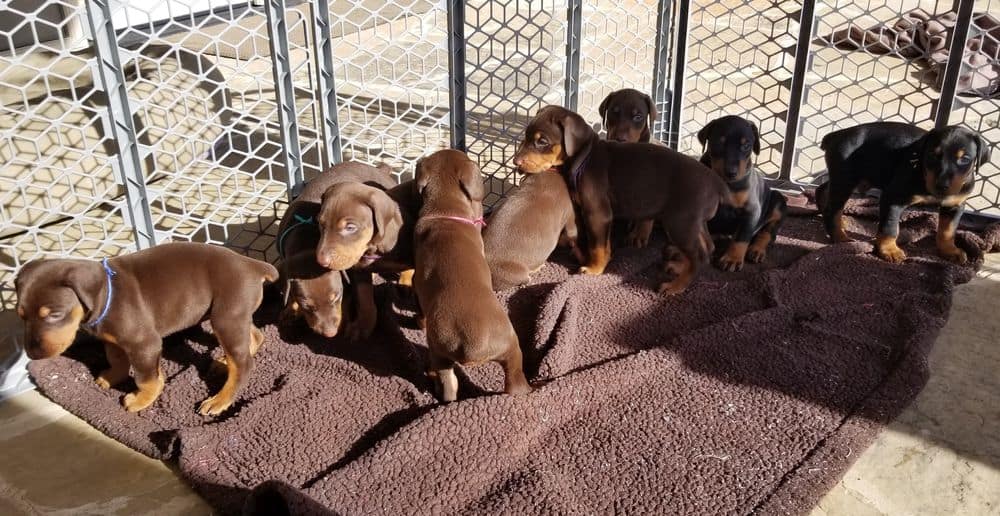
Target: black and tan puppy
(526, 226)
(628, 117)
(631, 181)
(465, 323)
(131, 302)
(910, 166)
(757, 211)
(365, 230)
(311, 290)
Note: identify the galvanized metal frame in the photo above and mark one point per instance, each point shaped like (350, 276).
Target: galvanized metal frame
(456, 73)
(574, 29)
(323, 45)
(127, 162)
(797, 89)
(662, 97)
(956, 47)
(679, 72)
(277, 31)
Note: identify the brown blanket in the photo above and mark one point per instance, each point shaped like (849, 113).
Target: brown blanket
(750, 393)
(923, 36)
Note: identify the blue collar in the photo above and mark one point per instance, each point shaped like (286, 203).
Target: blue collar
(107, 304)
(299, 221)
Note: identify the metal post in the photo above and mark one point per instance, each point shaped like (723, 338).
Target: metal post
(127, 159)
(574, 29)
(323, 44)
(661, 93)
(277, 32)
(680, 70)
(456, 73)
(806, 22)
(956, 61)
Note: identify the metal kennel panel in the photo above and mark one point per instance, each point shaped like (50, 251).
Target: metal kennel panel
(516, 55)
(390, 70)
(973, 83)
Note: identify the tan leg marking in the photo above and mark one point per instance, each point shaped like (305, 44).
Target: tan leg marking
(638, 236)
(732, 261)
(146, 394)
(839, 234)
(683, 274)
(946, 241)
(118, 367)
(886, 248)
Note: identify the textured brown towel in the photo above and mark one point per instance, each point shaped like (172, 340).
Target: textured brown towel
(920, 35)
(752, 392)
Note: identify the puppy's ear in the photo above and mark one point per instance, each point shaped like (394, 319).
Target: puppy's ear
(386, 218)
(756, 138)
(984, 151)
(603, 108)
(576, 133)
(288, 294)
(86, 279)
(705, 133)
(472, 183)
(652, 116)
(420, 178)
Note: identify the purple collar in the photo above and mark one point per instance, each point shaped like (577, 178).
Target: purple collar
(480, 222)
(574, 176)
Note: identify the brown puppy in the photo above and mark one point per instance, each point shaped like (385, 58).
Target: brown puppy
(628, 117)
(131, 302)
(464, 321)
(631, 181)
(364, 230)
(525, 228)
(312, 291)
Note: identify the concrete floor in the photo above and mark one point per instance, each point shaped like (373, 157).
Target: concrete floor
(941, 456)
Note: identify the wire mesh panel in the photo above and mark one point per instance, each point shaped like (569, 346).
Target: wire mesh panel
(739, 62)
(977, 97)
(515, 52)
(617, 51)
(391, 74)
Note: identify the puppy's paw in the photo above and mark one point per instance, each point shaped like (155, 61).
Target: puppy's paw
(954, 255)
(358, 331)
(637, 239)
(592, 270)
(136, 401)
(670, 288)
(214, 405)
(108, 378)
(891, 254)
(730, 264)
(756, 255)
(840, 236)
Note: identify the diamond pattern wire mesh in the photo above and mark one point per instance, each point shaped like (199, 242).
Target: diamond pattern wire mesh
(515, 64)
(979, 109)
(855, 84)
(617, 51)
(391, 75)
(740, 62)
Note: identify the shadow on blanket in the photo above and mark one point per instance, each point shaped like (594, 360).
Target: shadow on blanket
(752, 392)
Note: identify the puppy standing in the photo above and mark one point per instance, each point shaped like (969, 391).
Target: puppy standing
(465, 323)
(628, 117)
(909, 165)
(757, 211)
(631, 181)
(311, 290)
(526, 227)
(131, 302)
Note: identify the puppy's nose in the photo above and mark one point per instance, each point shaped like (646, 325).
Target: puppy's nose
(323, 259)
(518, 161)
(621, 138)
(329, 333)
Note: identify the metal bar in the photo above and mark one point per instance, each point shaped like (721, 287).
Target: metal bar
(323, 43)
(128, 159)
(456, 73)
(277, 33)
(806, 22)
(956, 61)
(679, 72)
(661, 93)
(574, 29)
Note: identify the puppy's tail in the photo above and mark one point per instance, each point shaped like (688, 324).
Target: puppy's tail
(267, 271)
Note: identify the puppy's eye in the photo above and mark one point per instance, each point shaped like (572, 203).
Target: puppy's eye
(54, 316)
(306, 308)
(746, 147)
(541, 143)
(964, 160)
(349, 228)
(638, 118)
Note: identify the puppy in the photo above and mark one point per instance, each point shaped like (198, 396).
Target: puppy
(525, 228)
(631, 181)
(311, 290)
(131, 302)
(909, 165)
(364, 230)
(465, 323)
(628, 117)
(757, 211)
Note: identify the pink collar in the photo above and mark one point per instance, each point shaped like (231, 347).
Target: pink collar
(480, 222)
